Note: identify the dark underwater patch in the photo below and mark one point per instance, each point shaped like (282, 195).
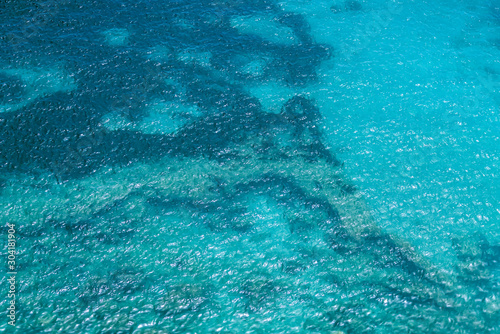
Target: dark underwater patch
(12, 89)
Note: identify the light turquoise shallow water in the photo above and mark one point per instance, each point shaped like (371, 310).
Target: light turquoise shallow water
(412, 104)
(251, 167)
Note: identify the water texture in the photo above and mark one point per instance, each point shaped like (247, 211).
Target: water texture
(251, 166)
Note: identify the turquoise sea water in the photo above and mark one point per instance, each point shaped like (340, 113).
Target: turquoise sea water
(251, 166)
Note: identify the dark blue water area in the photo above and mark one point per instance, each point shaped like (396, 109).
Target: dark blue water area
(154, 189)
(123, 78)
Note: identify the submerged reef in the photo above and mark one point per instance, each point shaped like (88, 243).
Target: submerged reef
(222, 215)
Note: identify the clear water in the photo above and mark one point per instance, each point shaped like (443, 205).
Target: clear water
(251, 166)
(412, 105)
